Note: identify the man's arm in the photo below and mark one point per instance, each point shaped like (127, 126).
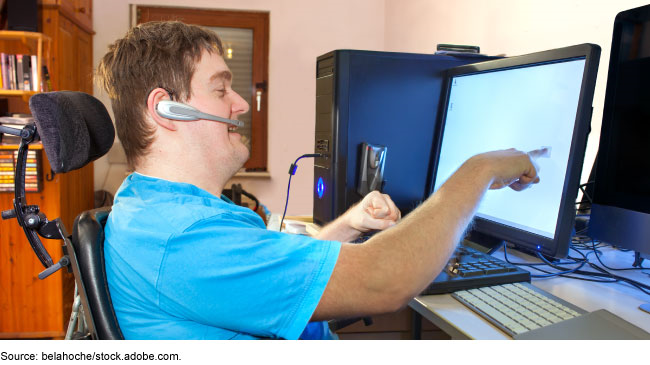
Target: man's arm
(395, 265)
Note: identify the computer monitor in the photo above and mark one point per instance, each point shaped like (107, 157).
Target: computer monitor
(620, 213)
(526, 102)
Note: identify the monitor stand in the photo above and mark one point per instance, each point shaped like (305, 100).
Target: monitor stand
(482, 242)
(638, 258)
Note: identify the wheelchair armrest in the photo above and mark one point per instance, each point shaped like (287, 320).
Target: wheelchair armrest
(88, 242)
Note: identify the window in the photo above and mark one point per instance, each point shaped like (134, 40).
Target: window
(245, 37)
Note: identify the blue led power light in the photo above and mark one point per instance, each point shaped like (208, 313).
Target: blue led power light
(320, 188)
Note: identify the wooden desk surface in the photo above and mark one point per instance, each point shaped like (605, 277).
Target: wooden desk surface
(619, 298)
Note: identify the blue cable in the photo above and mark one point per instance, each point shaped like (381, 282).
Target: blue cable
(292, 171)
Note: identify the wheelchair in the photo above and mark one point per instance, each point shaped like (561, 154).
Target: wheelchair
(75, 129)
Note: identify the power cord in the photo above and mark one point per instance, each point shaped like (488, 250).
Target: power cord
(563, 271)
(292, 171)
(584, 205)
(596, 252)
(601, 275)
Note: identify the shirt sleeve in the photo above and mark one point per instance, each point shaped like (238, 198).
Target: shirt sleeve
(226, 272)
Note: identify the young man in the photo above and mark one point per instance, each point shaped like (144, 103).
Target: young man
(184, 263)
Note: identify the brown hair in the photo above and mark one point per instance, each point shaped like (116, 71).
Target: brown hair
(151, 55)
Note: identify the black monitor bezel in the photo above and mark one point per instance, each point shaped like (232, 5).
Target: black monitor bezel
(559, 245)
(605, 191)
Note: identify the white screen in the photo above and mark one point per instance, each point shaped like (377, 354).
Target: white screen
(523, 108)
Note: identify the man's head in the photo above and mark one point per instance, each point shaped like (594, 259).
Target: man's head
(153, 57)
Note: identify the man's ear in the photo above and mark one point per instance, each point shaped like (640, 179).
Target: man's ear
(155, 96)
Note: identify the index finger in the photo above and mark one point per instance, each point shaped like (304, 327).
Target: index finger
(542, 152)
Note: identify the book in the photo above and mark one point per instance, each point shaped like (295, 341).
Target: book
(16, 121)
(27, 73)
(12, 71)
(35, 81)
(5, 71)
(33, 174)
(19, 72)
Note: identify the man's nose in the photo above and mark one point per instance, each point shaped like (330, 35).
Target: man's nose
(239, 105)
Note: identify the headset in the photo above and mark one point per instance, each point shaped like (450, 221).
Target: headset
(179, 111)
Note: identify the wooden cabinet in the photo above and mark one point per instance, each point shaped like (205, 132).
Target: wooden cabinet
(29, 307)
(72, 46)
(79, 11)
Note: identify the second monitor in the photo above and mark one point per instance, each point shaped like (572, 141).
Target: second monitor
(525, 102)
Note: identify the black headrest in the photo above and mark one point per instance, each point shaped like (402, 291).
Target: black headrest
(75, 128)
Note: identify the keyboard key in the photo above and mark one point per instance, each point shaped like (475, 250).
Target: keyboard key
(496, 270)
(518, 329)
(566, 315)
(569, 311)
(529, 324)
(470, 273)
(488, 290)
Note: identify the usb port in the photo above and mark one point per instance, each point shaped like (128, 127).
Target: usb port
(322, 145)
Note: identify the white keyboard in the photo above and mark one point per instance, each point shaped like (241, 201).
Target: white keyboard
(517, 308)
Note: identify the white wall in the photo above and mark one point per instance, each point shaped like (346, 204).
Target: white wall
(300, 32)
(510, 27)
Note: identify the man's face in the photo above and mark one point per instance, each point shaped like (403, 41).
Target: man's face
(211, 92)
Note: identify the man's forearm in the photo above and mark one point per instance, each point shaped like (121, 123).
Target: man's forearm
(338, 230)
(408, 256)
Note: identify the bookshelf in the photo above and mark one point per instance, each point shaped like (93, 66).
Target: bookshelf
(29, 43)
(29, 307)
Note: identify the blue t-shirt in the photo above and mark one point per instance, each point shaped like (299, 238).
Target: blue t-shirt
(182, 263)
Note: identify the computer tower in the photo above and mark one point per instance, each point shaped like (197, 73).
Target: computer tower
(381, 98)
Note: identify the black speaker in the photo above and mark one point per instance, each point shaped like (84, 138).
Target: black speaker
(22, 15)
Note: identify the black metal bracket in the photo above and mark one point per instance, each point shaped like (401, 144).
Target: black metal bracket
(29, 217)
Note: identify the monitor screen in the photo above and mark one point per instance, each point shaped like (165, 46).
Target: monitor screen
(525, 102)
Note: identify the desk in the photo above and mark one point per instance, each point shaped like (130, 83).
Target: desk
(621, 299)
